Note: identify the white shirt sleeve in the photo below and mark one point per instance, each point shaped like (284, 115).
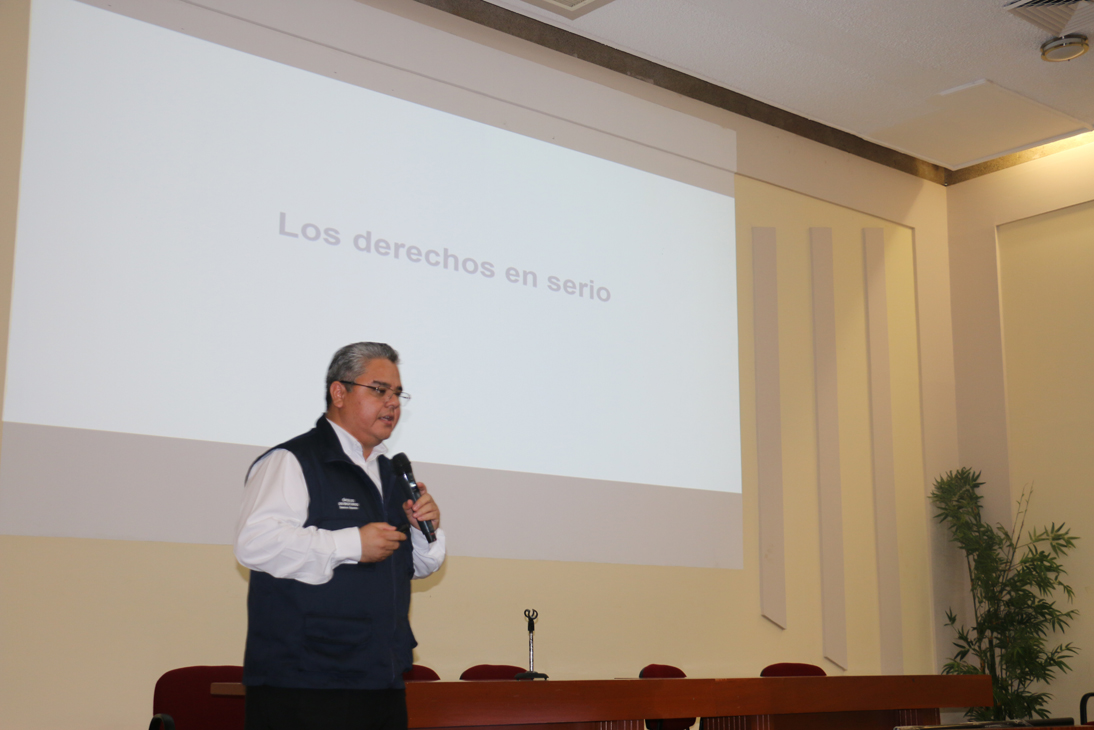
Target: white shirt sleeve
(270, 536)
(428, 556)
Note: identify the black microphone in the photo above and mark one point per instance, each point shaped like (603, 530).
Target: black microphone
(401, 464)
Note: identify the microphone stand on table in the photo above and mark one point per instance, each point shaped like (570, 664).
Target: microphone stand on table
(531, 614)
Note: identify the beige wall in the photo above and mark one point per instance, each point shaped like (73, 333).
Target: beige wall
(14, 24)
(1018, 407)
(792, 215)
(977, 207)
(100, 620)
(88, 625)
(1046, 265)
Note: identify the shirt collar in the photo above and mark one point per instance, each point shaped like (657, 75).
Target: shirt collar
(352, 446)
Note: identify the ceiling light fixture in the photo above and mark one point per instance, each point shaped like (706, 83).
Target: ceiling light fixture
(1064, 48)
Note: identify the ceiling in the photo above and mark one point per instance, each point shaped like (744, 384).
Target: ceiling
(952, 82)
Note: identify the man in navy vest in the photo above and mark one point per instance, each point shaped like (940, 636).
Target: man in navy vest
(324, 529)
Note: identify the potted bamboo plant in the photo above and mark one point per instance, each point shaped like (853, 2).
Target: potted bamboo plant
(1015, 578)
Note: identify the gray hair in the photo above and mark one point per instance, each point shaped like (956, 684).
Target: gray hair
(350, 361)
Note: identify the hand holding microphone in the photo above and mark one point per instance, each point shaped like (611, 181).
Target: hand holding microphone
(421, 508)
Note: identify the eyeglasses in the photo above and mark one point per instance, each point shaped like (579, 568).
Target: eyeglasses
(381, 392)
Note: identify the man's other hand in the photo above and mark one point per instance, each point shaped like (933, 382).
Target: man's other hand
(424, 509)
(378, 541)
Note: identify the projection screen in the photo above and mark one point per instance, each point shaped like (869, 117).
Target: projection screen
(200, 228)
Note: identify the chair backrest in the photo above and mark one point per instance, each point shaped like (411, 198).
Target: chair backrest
(490, 671)
(419, 673)
(661, 671)
(792, 669)
(184, 695)
(665, 671)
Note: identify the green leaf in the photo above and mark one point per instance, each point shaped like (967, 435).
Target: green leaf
(1013, 584)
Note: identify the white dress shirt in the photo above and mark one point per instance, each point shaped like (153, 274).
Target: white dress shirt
(270, 532)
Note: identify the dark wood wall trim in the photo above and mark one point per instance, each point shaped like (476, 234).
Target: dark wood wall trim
(563, 41)
(1017, 158)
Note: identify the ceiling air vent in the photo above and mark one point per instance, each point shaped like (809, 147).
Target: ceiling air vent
(1058, 17)
(569, 8)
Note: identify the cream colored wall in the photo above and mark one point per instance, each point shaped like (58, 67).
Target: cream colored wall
(977, 207)
(99, 620)
(792, 214)
(1046, 266)
(1018, 410)
(14, 24)
(88, 625)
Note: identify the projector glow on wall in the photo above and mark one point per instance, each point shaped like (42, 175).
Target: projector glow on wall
(559, 315)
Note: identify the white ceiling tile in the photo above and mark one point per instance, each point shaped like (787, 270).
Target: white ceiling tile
(977, 122)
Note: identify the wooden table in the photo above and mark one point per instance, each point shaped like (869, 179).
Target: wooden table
(754, 703)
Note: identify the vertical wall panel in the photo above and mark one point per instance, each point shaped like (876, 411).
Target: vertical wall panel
(881, 425)
(1046, 264)
(829, 485)
(768, 426)
(14, 40)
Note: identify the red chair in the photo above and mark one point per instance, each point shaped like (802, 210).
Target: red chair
(182, 700)
(665, 671)
(480, 672)
(791, 669)
(419, 673)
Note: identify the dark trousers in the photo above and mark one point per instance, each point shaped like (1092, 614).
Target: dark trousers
(284, 708)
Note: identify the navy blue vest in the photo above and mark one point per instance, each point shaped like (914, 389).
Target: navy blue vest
(352, 632)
